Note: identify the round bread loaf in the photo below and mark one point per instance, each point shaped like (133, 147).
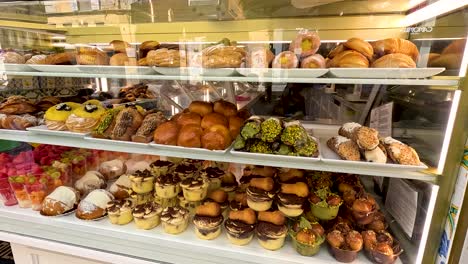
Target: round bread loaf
(212, 119)
(166, 133)
(201, 108)
(189, 136)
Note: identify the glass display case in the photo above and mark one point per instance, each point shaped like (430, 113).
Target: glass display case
(328, 131)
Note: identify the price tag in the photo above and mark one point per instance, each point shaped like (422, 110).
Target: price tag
(381, 119)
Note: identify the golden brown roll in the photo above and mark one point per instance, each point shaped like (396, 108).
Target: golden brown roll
(119, 59)
(313, 61)
(337, 50)
(146, 46)
(216, 138)
(395, 45)
(165, 58)
(349, 59)
(167, 133)
(449, 61)
(457, 46)
(201, 108)
(235, 125)
(394, 60)
(212, 119)
(190, 136)
(91, 56)
(119, 46)
(142, 62)
(225, 108)
(189, 119)
(37, 59)
(360, 46)
(64, 58)
(13, 57)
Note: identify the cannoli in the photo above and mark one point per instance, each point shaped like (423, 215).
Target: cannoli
(344, 147)
(365, 137)
(399, 152)
(377, 155)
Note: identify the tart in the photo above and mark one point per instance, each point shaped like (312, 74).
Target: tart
(56, 116)
(84, 118)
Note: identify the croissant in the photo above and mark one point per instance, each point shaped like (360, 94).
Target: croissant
(396, 45)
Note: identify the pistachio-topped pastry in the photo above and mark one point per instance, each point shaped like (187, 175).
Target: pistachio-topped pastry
(194, 189)
(106, 124)
(175, 219)
(56, 115)
(167, 186)
(147, 215)
(85, 118)
(120, 211)
(161, 167)
(213, 175)
(142, 181)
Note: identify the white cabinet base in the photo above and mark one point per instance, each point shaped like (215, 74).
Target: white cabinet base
(30, 255)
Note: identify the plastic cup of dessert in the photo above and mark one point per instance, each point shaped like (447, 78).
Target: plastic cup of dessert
(6, 193)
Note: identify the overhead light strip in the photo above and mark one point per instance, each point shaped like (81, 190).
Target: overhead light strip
(433, 10)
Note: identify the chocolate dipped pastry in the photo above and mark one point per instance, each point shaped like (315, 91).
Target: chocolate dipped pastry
(147, 215)
(167, 186)
(364, 208)
(271, 230)
(229, 184)
(142, 181)
(213, 175)
(127, 121)
(291, 198)
(184, 170)
(145, 132)
(175, 219)
(194, 189)
(365, 137)
(260, 193)
(220, 197)
(208, 220)
(120, 211)
(240, 226)
(239, 202)
(161, 167)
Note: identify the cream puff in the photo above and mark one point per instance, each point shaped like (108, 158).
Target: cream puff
(84, 118)
(112, 168)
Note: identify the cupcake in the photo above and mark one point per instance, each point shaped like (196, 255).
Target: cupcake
(291, 198)
(167, 186)
(147, 215)
(271, 230)
(185, 171)
(324, 204)
(229, 184)
(175, 219)
(56, 116)
(161, 167)
(120, 211)
(142, 181)
(121, 188)
(240, 226)
(213, 175)
(220, 197)
(207, 220)
(84, 118)
(194, 189)
(260, 193)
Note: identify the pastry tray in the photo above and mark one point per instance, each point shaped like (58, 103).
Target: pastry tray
(330, 157)
(385, 73)
(200, 151)
(13, 131)
(115, 142)
(282, 73)
(194, 71)
(45, 131)
(12, 67)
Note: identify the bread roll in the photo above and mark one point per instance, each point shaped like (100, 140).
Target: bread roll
(395, 60)
(146, 46)
(225, 108)
(13, 57)
(166, 133)
(189, 119)
(235, 125)
(313, 61)
(349, 59)
(395, 45)
(190, 136)
(305, 44)
(285, 60)
(142, 62)
(119, 59)
(360, 46)
(337, 50)
(216, 138)
(119, 46)
(64, 58)
(201, 108)
(212, 119)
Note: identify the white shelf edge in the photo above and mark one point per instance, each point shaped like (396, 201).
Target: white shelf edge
(435, 82)
(27, 136)
(151, 244)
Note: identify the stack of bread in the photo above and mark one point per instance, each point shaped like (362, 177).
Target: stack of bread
(203, 125)
(387, 53)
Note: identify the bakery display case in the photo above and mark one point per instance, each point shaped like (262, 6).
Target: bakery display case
(291, 131)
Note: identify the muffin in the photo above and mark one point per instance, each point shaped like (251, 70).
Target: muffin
(120, 211)
(175, 219)
(190, 206)
(213, 175)
(307, 237)
(208, 220)
(167, 186)
(194, 189)
(271, 230)
(240, 226)
(260, 193)
(161, 167)
(141, 198)
(142, 181)
(147, 215)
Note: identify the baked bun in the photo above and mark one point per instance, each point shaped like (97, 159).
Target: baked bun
(394, 60)
(167, 133)
(119, 59)
(216, 138)
(13, 57)
(395, 45)
(235, 125)
(201, 108)
(360, 46)
(305, 44)
(63, 199)
(189, 136)
(91, 56)
(313, 61)
(94, 205)
(37, 59)
(225, 108)
(212, 119)
(146, 46)
(286, 60)
(349, 59)
(64, 58)
(189, 119)
(337, 50)
(119, 46)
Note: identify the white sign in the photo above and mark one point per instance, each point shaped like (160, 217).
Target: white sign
(381, 119)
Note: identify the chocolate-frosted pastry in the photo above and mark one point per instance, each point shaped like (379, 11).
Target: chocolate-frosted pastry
(161, 167)
(120, 211)
(167, 186)
(175, 219)
(213, 175)
(291, 198)
(185, 170)
(194, 189)
(260, 193)
(240, 226)
(145, 133)
(239, 202)
(271, 230)
(208, 220)
(142, 181)
(147, 215)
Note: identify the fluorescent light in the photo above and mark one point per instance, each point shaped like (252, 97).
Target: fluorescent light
(433, 10)
(427, 223)
(448, 131)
